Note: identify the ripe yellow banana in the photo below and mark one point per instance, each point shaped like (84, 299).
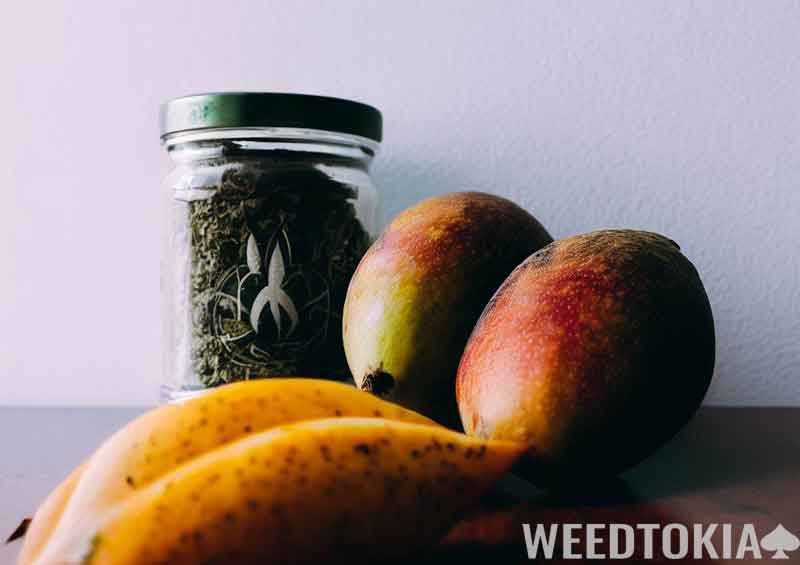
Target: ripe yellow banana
(169, 436)
(47, 517)
(342, 489)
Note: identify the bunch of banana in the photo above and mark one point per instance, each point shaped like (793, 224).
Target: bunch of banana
(278, 471)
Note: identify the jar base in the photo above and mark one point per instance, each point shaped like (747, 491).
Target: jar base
(173, 395)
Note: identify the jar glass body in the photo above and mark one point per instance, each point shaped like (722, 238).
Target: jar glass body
(265, 229)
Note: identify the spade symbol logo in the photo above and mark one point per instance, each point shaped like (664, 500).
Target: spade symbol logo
(780, 540)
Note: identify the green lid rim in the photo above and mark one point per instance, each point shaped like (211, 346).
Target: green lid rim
(270, 110)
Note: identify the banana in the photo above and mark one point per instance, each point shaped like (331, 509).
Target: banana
(169, 436)
(347, 489)
(47, 516)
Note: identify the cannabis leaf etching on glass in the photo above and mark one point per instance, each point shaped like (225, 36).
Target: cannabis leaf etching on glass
(274, 295)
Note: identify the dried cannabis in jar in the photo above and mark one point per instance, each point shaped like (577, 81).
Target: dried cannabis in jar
(272, 253)
(271, 204)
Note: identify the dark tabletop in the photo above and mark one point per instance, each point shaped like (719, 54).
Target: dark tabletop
(730, 465)
(40, 446)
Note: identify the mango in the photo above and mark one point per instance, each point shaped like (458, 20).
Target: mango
(594, 352)
(169, 436)
(419, 290)
(355, 490)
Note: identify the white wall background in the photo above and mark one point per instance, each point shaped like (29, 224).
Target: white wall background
(680, 117)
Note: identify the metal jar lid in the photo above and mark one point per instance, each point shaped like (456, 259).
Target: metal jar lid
(270, 109)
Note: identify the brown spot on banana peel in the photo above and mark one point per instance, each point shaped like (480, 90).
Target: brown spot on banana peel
(93, 545)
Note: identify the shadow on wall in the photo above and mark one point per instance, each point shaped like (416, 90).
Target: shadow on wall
(401, 183)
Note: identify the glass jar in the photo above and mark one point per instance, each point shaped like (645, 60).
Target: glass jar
(272, 207)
